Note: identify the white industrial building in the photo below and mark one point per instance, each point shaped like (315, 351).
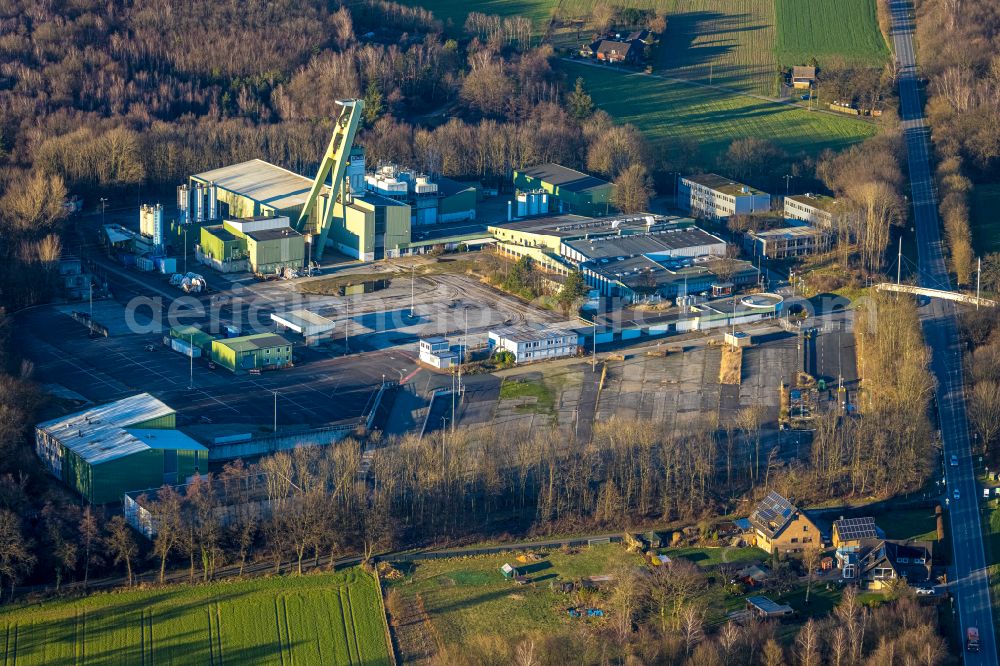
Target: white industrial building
(534, 344)
(678, 242)
(431, 200)
(311, 326)
(436, 352)
(711, 195)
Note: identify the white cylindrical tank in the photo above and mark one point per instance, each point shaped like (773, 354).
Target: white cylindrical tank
(213, 203)
(199, 203)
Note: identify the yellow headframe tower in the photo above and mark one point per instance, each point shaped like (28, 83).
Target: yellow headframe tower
(333, 166)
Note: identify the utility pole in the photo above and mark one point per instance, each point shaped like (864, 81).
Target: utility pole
(347, 326)
(275, 429)
(593, 362)
(185, 249)
(899, 261)
(788, 178)
(413, 269)
(104, 204)
(461, 357)
(191, 362)
(453, 402)
(979, 272)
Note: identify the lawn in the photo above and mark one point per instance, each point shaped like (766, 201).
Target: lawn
(467, 598)
(711, 557)
(679, 116)
(526, 390)
(986, 218)
(321, 619)
(824, 28)
(919, 524)
(725, 42)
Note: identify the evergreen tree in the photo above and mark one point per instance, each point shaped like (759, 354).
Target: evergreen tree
(373, 103)
(579, 102)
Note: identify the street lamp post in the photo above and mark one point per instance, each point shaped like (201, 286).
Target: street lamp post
(275, 427)
(104, 205)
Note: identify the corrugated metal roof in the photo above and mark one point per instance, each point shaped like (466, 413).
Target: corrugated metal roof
(100, 434)
(263, 182)
(254, 342)
(167, 440)
(566, 178)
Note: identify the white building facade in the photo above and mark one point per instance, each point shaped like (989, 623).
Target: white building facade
(528, 344)
(715, 197)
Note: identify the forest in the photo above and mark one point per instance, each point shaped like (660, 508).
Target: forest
(958, 45)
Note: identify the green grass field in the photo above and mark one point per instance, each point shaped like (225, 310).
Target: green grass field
(986, 218)
(725, 42)
(679, 116)
(322, 619)
(920, 524)
(711, 557)
(453, 12)
(468, 598)
(826, 28)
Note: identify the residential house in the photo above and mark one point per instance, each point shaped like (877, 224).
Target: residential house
(850, 532)
(618, 52)
(803, 77)
(779, 526)
(882, 562)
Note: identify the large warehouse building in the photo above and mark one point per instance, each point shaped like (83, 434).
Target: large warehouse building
(131, 444)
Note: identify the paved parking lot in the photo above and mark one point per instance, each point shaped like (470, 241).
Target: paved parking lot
(323, 388)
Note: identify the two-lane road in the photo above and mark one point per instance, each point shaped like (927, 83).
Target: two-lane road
(970, 581)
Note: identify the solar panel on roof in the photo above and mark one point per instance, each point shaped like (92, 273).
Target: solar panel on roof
(851, 529)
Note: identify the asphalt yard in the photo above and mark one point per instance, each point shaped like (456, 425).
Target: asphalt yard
(321, 389)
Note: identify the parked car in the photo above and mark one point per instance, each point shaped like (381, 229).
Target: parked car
(924, 591)
(954, 460)
(955, 493)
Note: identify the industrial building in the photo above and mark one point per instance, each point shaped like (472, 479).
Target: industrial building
(558, 243)
(257, 188)
(264, 245)
(713, 196)
(816, 209)
(262, 351)
(431, 200)
(435, 351)
(372, 227)
(105, 451)
(795, 240)
(195, 337)
(527, 343)
(572, 191)
(677, 242)
(644, 279)
(309, 325)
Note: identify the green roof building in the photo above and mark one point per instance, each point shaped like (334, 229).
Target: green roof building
(573, 191)
(249, 352)
(195, 336)
(106, 451)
